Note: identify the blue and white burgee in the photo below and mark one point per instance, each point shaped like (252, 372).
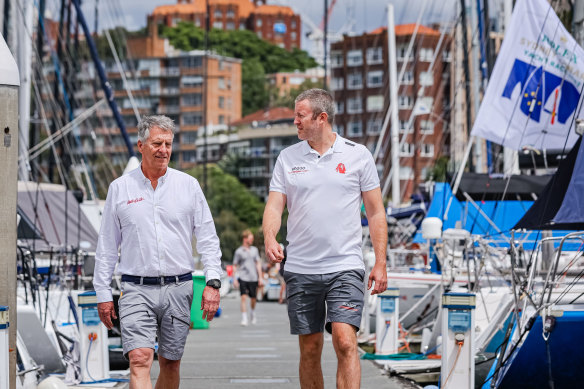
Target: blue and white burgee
(535, 88)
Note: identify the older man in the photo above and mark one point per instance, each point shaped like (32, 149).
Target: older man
(151, 215)
(322, 181)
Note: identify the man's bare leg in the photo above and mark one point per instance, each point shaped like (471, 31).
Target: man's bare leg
(169, 377)
(310, 366)
(140, 364)
(349, 367)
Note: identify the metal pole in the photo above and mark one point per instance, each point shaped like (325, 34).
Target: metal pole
(466, 72)
(324, 82)
(395, 190)
(205, 77)
(24, 49)
(9, 81)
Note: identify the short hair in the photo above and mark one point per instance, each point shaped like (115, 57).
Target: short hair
(148, 122)
(320, 101)
(245, 233)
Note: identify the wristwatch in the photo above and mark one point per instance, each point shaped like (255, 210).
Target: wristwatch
(215, 283)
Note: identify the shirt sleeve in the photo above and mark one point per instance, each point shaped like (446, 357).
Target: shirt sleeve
(278, 182)
(369, 178)
(207, 240)
(236, 258)
(108, 243)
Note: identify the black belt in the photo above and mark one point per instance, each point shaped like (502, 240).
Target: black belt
(157, 280)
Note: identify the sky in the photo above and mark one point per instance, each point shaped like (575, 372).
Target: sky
(367, 14)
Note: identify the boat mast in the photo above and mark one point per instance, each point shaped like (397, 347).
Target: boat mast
(395, 189)
(24, 55)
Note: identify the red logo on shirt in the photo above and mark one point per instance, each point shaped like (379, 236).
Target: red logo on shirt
(135, 200)
(340, 168)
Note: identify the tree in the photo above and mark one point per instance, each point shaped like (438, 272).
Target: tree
(259, 57)
(233, 206)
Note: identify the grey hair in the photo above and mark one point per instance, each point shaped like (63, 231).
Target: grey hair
(320, 101)
(148, 122)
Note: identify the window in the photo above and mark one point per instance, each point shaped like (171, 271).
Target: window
(375, 79)
(406, 173)
(406, 150)
(259, 34)
(374, 126)
(221, 83)
(375, 103)
(355, 128)
(230, 26)
(446, 56)
(218, 25)
(401, 52)
(336, 59)
(339, 129)
(191, 62)
(408, 77)
(355, 81)
(340, 106)
(426, 79)
(218, 14)
(259, 22)
(354, 58)
(189, 156)
(293, 24)
(230, 14)
(192, 99)
(198, 22)
(426, 127)
(337, 83)
(426, 54)
(354, 105)
(374, 55)
(403, 127)
(190, 81)
(192, 119)
(405, 101)
(427, 150)
(221, 102)
(221, 119)
(188, 137)
(293, 35)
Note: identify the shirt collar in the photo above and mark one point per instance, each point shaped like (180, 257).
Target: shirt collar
(146, 180)
(337, 147)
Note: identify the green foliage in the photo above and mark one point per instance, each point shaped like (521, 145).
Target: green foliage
(233, 206)
(259, 57)
(438, 171)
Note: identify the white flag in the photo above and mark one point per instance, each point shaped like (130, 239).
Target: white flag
(534, 91)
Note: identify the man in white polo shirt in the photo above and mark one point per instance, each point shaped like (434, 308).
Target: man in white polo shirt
(322, 181)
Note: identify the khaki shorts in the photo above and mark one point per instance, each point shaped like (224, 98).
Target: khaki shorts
(148, 312)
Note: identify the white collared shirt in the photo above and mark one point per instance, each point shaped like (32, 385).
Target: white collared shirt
(323, 196)
(153, 230)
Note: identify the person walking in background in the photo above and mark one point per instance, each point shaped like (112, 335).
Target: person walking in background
(247, 273)
(150, 215)
(322, 181)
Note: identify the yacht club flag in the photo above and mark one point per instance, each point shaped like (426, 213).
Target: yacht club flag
(535, 89)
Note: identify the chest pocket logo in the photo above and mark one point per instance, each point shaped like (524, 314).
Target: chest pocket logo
(340, 168)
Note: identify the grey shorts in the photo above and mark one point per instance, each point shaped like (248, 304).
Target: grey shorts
(316, 299)
(148, 312)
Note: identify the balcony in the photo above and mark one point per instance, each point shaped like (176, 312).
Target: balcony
(253, 172)
(170, 72)
(169, 109)
(169, 91)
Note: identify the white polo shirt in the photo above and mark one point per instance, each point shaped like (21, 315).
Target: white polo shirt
(323, 196)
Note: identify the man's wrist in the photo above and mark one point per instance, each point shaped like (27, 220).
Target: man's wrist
(214, 283)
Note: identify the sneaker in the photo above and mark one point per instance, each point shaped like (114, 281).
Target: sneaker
(244, 322)
(253, 319)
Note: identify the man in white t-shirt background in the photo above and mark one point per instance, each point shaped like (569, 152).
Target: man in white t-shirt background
(322, 181)
(247, 274)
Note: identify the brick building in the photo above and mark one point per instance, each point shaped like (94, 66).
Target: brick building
(273, 23)
(360, 84)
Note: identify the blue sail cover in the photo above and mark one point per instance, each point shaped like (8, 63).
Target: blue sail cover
(504, 214)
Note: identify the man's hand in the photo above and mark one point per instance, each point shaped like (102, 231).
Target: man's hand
(210, 302)
(235, 283)
(274, 251)
(106, 313)
(260, 282)
(379, 276)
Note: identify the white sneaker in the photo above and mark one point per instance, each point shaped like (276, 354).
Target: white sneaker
(253, 319)
(244, 321)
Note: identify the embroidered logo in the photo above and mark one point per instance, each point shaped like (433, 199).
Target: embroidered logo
(349, 307)
(136, 200)
(340, 168)
(299, 169)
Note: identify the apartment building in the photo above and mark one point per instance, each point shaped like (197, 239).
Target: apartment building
(360, 84)
(273, 23)
(170, 85)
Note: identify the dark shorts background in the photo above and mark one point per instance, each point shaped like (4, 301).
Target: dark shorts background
(248, 287)
(317, 300)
